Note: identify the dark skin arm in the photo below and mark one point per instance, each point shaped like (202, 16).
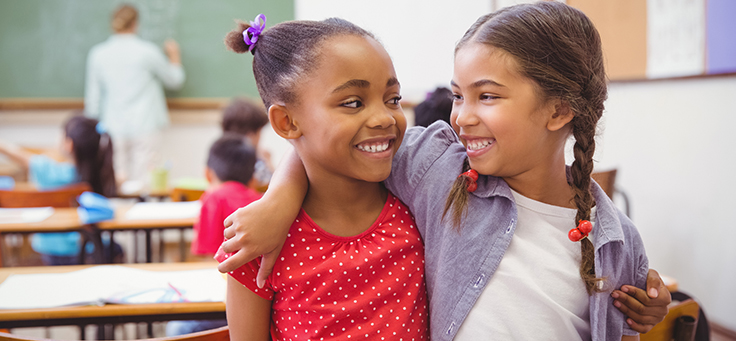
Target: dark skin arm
(643, 309)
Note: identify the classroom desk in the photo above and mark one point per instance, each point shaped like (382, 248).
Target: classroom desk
(67, 219)
(110, 313)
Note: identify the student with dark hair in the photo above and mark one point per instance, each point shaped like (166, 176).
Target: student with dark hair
(352, 265)
(437, 107)
(247, 118)
(229, 172)
(87, 157)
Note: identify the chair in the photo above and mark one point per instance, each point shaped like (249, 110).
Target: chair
(607, 181)
(185, 194)
(666, 330)
(219, 334)
(60, 197)
(28, 196)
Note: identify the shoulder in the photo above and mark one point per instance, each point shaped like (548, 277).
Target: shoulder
(437, 137)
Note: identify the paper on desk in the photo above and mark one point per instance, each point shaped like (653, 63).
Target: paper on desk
(111, 284)
(164, 210)
(24, 215)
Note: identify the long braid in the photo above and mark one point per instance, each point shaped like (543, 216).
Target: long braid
(562, 54)
(583, 129)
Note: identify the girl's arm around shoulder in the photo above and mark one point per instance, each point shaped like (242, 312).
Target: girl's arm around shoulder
(420, 149)
(261, 227)
(248, 315)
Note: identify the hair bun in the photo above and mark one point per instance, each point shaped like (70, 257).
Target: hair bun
(234, 39)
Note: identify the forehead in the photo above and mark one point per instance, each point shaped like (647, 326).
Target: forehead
(476, 61)
(346, 57)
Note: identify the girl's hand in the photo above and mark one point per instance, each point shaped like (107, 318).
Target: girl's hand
(644, 309)
(261, 227)
(251, 232)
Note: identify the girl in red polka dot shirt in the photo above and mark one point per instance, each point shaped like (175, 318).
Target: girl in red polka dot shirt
(353, 262)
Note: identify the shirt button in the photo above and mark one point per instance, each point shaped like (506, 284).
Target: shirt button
(452, 326)
(511, 225)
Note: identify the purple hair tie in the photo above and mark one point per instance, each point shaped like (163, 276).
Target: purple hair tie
(255, 29)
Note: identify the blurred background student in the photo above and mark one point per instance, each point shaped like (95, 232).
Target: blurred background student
(86, 155)
(124, 90)
(437, 106)
(246, 118)
(229, 171)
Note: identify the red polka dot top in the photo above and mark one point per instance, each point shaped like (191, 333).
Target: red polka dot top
(369, 286)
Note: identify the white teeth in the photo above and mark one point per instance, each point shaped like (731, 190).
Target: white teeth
(374, 148)
(475, 145)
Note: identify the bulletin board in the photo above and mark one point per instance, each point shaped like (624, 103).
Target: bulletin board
(658, 39)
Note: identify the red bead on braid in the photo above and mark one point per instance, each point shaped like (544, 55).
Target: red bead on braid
(472, 178)
(580, 232)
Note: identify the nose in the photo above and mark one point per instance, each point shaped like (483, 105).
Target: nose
(462, 115)
(381, 118)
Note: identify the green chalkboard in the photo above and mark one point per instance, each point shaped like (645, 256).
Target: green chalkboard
(44, 43)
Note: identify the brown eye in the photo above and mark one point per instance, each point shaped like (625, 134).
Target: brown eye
(352, 104)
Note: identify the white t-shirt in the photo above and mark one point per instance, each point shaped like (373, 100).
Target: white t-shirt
(536, 293)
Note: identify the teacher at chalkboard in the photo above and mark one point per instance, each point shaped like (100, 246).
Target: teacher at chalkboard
(124, 90)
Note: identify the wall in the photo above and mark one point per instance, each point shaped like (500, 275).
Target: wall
(672, 142)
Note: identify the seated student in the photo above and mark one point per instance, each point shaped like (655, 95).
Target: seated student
(246, 118)
(86, 153)
(437, 107)
(229, 171)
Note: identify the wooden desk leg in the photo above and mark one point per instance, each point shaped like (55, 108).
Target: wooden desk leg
(111, 249)
(182, 246)
(135, 246)
(148, 246)
(161, 246)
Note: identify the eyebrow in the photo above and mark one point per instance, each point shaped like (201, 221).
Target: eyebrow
(359, 83)
(480, 83)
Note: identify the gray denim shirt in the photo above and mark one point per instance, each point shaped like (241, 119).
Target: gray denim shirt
(459, 264)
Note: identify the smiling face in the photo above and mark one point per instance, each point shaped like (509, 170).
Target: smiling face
(348, 111)
(499, 114)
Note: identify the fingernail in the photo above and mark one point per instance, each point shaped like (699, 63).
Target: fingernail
(617, 304)
(625, 289)
(614, 294)
(629, 321)
(653, 293)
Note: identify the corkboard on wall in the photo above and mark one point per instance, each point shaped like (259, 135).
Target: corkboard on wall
(622, 25)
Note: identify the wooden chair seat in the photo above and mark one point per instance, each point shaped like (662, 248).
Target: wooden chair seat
(27, 197)
(665, 330)
(185, 194)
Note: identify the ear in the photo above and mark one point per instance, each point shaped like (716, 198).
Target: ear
(209, 174)
(282, 122)
(561, 115)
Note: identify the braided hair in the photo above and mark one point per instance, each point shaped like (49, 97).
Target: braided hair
(561, 52)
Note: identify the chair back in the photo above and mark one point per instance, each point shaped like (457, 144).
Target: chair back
(219, 334)
(607, 181)
(668, 329)
(185, 194)
(60, 197)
